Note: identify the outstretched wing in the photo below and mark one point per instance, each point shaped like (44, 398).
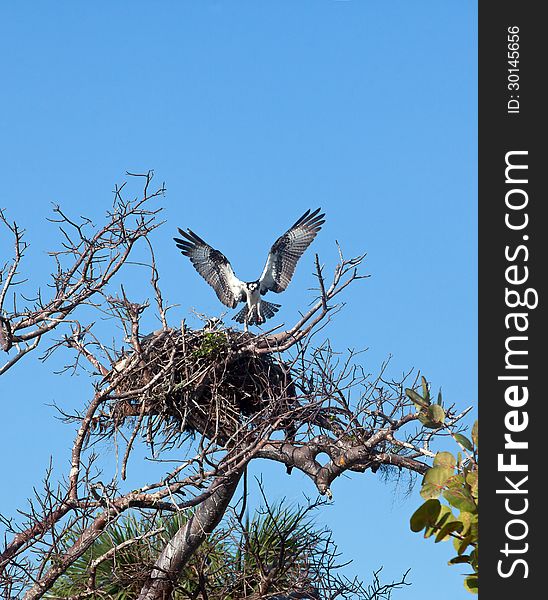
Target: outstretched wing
(213, 266)
(286, 251)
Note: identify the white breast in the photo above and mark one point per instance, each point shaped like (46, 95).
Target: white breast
(253, 297)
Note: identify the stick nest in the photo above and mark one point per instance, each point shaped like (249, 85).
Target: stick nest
(182, 381)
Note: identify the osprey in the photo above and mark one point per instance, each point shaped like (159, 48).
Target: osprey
(282, 259)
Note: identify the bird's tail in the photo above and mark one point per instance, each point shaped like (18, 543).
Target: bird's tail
(240, 316)
(268, 310)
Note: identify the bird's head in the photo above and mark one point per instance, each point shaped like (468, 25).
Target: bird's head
(253, 286)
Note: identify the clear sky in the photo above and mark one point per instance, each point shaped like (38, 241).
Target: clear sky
(252, 112)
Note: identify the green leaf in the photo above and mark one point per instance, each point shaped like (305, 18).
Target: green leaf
(447, 529)
(417, 398)
(457, 560)
(461, 499)
(430, 491)
(464, 441)
(471, 584)
(445, 459)
(444, 517)
(438, 475)
(455, 482)
(427, 421)
(474, 559)
(436, 413)
(474, 530)
(425, 515)
(467, 519)
(472, 481)
(425, 390)
(429, 531)
(461, 545)
(434, 481)
(475, 433)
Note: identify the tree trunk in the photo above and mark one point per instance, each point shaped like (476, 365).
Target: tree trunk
(184, 543)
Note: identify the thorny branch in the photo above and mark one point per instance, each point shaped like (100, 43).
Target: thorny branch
(206, 402)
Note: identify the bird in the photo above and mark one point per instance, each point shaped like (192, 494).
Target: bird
(280, 265)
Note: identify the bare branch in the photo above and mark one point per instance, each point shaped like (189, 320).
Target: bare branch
(84, 266)
(204, 403)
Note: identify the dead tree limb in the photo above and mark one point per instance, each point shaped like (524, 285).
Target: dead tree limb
(85, 264)
(186, 541)
(219, 397)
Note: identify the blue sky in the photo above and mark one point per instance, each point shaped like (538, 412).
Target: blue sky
(252, 112)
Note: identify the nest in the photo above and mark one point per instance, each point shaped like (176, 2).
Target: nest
(201, 381)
